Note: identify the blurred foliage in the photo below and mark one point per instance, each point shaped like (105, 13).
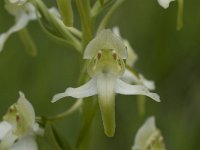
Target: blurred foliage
(167, 56)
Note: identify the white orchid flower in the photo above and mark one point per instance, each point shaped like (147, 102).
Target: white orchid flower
(18, 128)
(23, 12)
(130, 76)
(106, 54)
(165, 3)
(148, 137)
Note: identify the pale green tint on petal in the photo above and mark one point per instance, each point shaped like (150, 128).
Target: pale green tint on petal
(128, 89)
(106, 96)
(164, 3)
(26, 115)
(26, 143)
(130, 78)
(86, 90)
(148, 137)
(106, 39)
(5, 127)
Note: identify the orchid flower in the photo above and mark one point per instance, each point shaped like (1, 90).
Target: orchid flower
(130, 76)
(165, 3)
(106, 54)
(18, 128)
(23, 12)
(149, 137)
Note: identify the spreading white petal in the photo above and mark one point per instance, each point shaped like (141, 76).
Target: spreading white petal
(86, 90)
(21, 22)
(22, 17)
(130, 77)
(26, 143)
(148, 83)
(164, 3)
(5, 127)
(127, 89)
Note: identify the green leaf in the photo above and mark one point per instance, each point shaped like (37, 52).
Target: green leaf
(55, 140)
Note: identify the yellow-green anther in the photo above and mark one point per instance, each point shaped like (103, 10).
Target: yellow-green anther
(66, 11)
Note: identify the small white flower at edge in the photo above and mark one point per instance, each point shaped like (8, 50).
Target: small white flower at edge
(23, 12)
(149, 137)
(18, 128)
(129, 76)
(105, 54)
(165, 3)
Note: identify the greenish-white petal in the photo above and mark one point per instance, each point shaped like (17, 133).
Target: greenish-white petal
(86, 90)
(26, 110)
(132, 56)
(21, 22)
(106, 39)
(164, 3)
(26, 143)
(148, 83)
(128, 89)
(106, 96)
(5, 127)
(130, 78)
(148, 137)
(8, 140)
(22, 17)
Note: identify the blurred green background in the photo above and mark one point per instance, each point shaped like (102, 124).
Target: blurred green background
(167, 56)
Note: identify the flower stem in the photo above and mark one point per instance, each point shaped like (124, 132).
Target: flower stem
(68, 112)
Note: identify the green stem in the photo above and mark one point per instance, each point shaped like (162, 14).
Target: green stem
(180, 15)
(57, 24)
(141, 104)
(28, 42)
(89, 111)
(86, 20)
(68, 112)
